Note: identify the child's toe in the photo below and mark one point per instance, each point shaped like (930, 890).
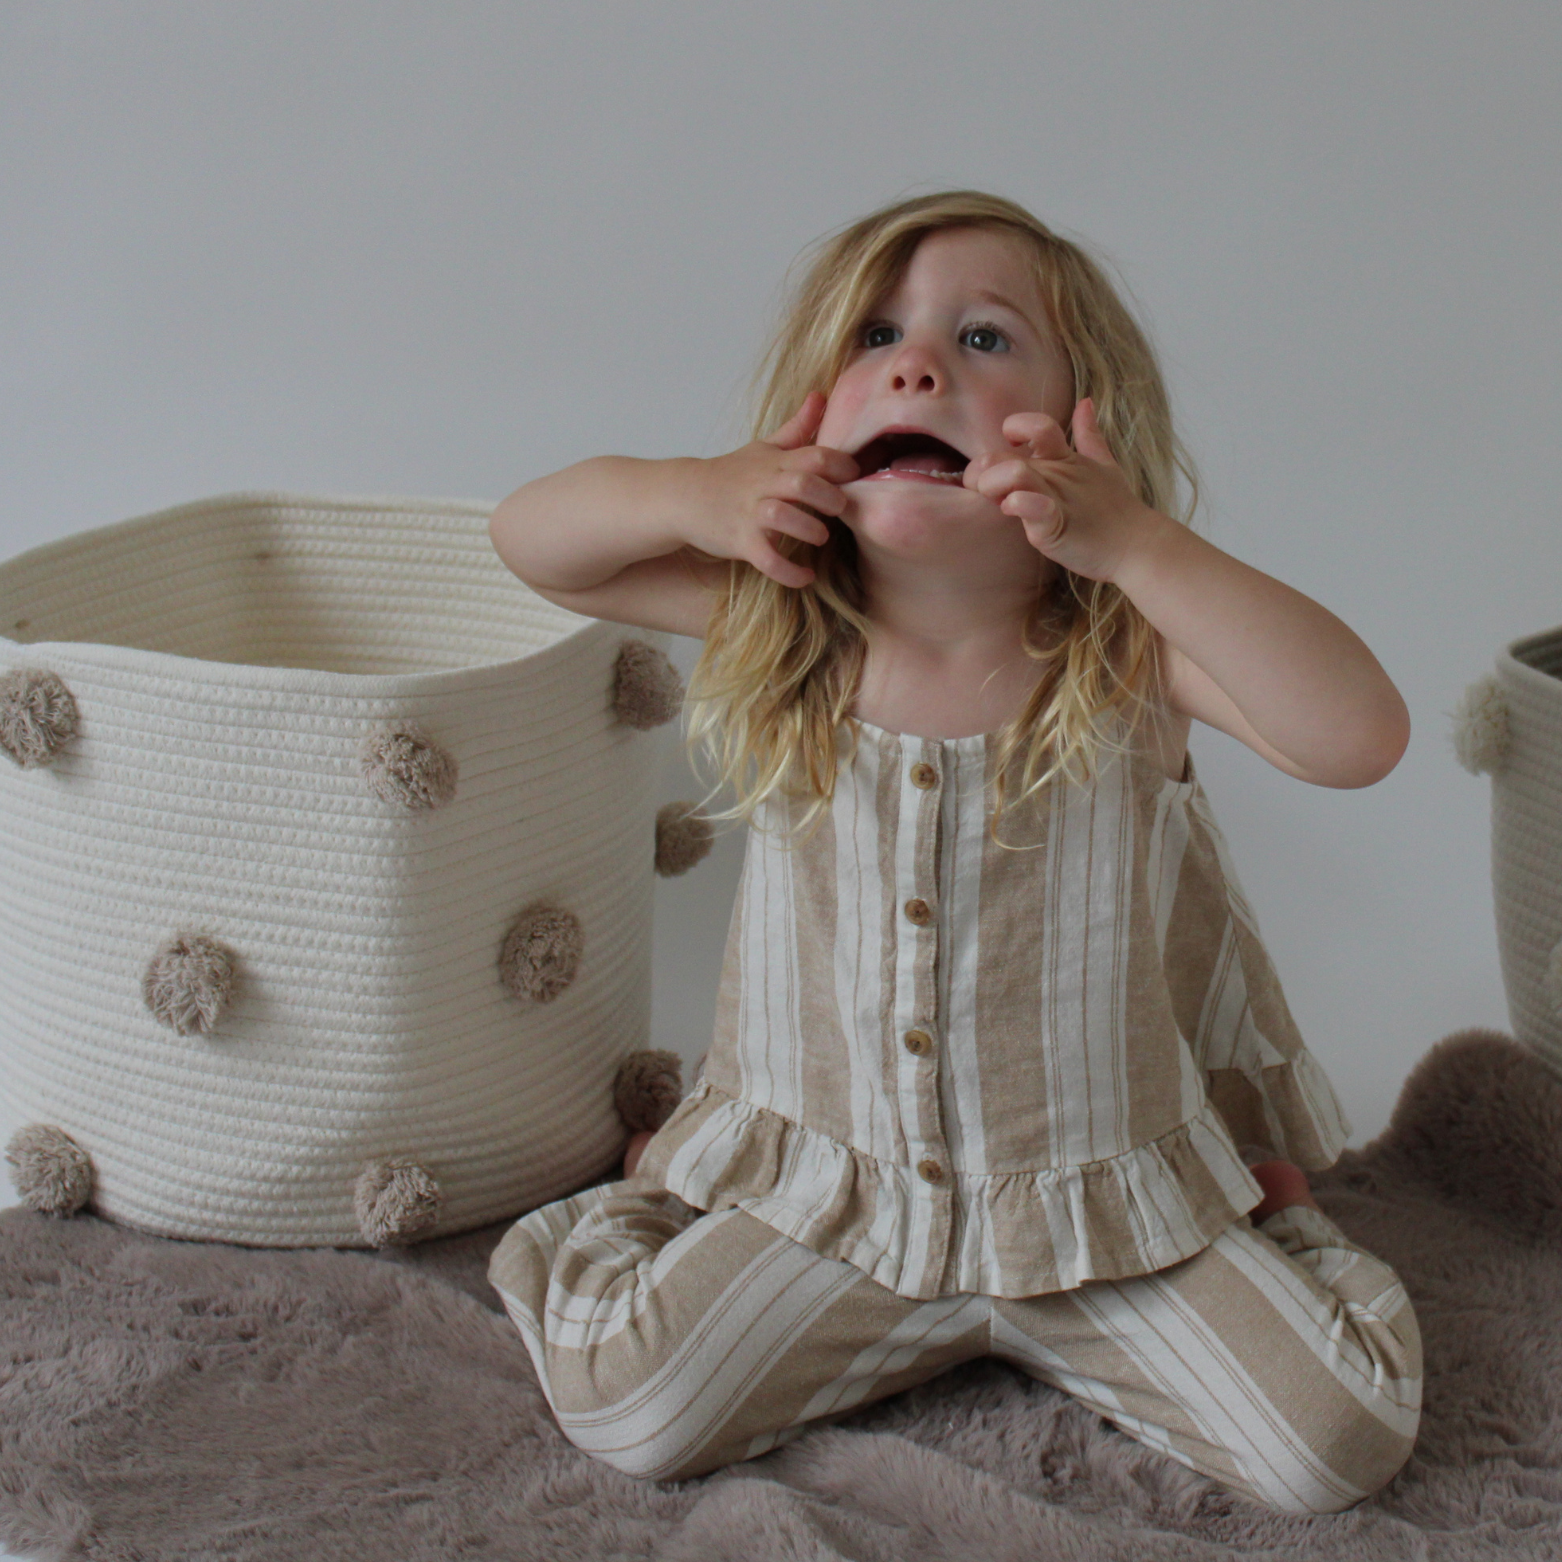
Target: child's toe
(1284, 1185)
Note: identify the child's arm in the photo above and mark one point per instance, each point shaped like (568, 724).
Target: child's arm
(641, 542)
(1262, 662)
(1246, 653)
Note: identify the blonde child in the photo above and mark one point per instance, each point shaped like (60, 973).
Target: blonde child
(995, 1018)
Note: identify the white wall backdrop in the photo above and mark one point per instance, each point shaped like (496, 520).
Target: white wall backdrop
(398, 246)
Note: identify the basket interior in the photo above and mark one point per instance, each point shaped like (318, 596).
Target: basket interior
(341, 587)
(1542, 652)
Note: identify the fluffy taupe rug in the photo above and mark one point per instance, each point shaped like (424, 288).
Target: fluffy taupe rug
(162, 1401)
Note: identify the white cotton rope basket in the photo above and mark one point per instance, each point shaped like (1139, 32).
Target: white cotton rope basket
(1526, 773)
(228, 661)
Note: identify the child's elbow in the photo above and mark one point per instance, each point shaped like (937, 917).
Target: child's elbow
(506, 527)
(1379, 749)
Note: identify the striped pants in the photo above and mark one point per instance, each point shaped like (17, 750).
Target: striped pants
(1283, 1362)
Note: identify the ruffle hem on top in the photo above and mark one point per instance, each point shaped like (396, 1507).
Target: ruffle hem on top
(1009, 1234)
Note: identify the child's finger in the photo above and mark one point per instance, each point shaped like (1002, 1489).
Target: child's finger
(801, 427)
(1088, 438)
(778, 516)
(979, 466)
(834, 466)
(1042, 517)
(815, 493)
(1004, 477)
(1039, 433)
(788, 572)
(974, 468)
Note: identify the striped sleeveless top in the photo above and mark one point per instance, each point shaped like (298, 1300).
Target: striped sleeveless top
(961, 1067)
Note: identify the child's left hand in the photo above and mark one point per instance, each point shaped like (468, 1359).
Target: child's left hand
(1073, 501)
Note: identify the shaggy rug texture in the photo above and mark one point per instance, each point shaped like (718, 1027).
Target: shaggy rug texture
(162, 1401)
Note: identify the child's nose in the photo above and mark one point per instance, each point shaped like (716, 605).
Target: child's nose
(916, 368)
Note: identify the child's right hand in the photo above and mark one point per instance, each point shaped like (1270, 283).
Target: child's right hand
(643, 542)
(739, 502)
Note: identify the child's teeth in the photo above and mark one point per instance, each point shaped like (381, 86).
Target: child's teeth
(925, 466)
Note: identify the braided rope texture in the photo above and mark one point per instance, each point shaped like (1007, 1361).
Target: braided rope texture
(1527, 840)
(236, 666)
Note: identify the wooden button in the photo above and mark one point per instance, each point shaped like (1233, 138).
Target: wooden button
(919, 1042)
(924, 776)
(919, 912)
(930, 1171)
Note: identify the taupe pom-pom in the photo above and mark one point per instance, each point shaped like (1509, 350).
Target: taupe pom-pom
(541, 953)
(402, 765)
(38, 717)
(1481, 727)
(51, 1172)
(647, 1088)
(188, 984)
(683, 837)
(396, 1201)
(647, 690)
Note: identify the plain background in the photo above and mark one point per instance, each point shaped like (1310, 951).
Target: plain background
(441, 249)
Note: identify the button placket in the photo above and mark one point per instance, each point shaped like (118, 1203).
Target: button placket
(919, 888)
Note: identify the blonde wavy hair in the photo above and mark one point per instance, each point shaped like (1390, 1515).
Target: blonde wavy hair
(781, 665)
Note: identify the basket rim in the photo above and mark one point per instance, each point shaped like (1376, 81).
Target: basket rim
(576, 631)
(1512, 659)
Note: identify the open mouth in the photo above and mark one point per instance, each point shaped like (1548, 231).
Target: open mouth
(912, 455)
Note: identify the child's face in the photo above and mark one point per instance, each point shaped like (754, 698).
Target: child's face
(960, 343)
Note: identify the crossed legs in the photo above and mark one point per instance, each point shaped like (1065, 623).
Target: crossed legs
(1284, 1363)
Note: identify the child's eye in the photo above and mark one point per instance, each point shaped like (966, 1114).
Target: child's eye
(984, 339)
(880, 335)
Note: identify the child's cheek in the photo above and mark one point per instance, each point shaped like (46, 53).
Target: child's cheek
(838, 428)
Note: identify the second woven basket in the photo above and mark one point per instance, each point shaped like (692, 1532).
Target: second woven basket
(1510, 726)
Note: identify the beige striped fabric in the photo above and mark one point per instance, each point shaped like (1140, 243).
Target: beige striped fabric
(1283, 1362)
(966, 1068)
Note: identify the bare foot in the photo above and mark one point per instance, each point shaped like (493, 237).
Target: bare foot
(635, 1150)
(1283, 1185)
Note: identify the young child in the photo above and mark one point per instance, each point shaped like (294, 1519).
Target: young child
(995, 1018)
